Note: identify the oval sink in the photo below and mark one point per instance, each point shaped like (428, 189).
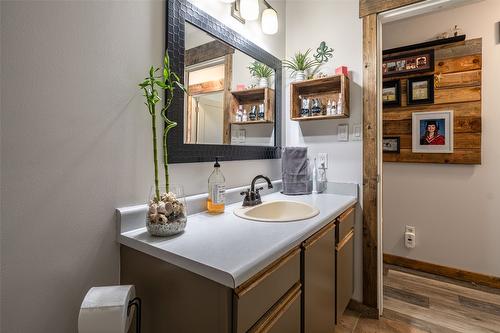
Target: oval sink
(278, 211)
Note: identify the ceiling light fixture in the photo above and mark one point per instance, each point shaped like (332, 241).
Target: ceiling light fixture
(269, 21)
(250, 9)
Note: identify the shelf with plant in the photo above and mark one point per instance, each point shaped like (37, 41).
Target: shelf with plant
(167, 207)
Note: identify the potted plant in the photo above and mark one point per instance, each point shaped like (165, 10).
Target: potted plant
(299, 64)
(167, 207)
(262, 72)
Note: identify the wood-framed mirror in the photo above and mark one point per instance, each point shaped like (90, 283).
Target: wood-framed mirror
(232, 108)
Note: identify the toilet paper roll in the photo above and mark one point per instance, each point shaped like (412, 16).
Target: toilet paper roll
(104, 310)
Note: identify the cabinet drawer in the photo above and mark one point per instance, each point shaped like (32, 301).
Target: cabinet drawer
(255, 297)
(284, 317)
(345, 273)
(345, 223)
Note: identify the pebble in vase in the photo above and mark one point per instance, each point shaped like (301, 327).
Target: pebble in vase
(167, 216)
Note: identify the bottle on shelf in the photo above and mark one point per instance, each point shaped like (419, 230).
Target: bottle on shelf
(244, 118)
(216, 190)
(261, 115)
(340, 106)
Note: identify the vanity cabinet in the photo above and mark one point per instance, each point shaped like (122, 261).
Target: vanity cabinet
(303, 291)
(318, 274)
(344, 255)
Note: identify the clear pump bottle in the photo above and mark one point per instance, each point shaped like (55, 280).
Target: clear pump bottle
(216, 190)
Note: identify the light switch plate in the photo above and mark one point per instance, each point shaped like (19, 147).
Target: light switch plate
(357, 132)
(343, 132)
(242, 137)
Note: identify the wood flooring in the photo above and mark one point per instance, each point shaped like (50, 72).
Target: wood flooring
(416, 302)
(439, 305)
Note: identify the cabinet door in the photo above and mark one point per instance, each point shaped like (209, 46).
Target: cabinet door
(319, 281)
(345, 273)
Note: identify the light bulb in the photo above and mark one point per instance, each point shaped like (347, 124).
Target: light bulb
(269, 21)
(249, 9)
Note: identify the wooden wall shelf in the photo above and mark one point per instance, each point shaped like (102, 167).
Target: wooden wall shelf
(250, 97)
(328, 88)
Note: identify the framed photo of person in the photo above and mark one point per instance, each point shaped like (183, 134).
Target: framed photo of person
(391, 93)
(408, 63)
(421, 90)
(390, 144)
(432, 132)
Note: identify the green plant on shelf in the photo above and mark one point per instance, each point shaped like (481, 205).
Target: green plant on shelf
(260, 70)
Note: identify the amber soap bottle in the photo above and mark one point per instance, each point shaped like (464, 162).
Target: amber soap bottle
(216, 190)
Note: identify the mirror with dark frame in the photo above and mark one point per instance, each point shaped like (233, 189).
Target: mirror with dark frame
(233, 103)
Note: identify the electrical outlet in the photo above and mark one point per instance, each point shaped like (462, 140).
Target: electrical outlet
(410, 229)
(323, 159)
(410, 236)
(410, 240)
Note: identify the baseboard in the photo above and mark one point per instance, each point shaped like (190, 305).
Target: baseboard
(365, 310)
(449, 272)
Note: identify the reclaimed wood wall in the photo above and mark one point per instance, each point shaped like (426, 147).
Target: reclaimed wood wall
(457, 75)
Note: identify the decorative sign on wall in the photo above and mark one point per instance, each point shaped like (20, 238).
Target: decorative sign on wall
(408, 63)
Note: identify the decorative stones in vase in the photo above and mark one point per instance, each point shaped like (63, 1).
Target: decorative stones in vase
(168, 216)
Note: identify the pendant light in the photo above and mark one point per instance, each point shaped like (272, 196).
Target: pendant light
(269, 21)
(249, 9)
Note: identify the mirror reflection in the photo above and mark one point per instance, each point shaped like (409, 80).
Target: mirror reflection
(230, 95)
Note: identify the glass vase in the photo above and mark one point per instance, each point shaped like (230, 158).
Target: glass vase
(166, 215)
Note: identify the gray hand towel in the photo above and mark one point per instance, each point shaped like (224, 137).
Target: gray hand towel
(295, 171)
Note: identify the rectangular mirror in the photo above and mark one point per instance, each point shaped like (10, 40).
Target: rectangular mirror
(231, 96)
(232, 108)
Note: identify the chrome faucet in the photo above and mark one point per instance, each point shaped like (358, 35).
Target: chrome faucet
(252, 195)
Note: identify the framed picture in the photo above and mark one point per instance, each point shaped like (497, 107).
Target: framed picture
(408, 63)
(390, 144)
(432, 132)
(391, 93)
(421, 90)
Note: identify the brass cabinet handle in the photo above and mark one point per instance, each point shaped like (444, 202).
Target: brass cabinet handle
(346, 240)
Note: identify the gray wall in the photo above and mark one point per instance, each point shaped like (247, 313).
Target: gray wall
(75, 144)
(453, 207)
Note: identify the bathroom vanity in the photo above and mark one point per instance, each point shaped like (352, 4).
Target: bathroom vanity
(228, 274)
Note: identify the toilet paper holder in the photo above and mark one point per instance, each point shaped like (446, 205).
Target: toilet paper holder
(137, 303)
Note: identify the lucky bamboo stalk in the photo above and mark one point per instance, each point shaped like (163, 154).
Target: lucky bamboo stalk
(168, 82)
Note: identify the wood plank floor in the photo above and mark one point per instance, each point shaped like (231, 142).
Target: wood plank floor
(354, 322)
(439, 305)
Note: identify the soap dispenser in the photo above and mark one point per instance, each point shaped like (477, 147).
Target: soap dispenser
(216, 190)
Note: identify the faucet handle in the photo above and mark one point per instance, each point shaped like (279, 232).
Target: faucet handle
(246, 192)
(259, 189)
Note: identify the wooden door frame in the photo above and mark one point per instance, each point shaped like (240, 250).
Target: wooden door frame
(368, 11)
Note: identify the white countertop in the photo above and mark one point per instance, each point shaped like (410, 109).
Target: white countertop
(229, 249)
